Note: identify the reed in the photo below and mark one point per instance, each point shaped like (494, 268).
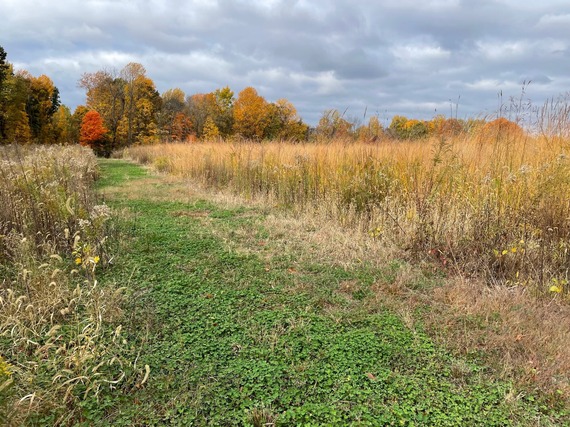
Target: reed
(490, 204)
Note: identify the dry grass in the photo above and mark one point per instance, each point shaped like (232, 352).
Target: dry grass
(60, 336)
(494, 209)
(491, 211)
(527, 338)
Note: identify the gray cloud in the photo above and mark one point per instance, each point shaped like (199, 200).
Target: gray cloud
(391, 56)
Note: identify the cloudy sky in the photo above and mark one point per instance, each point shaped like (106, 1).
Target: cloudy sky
(411, 57)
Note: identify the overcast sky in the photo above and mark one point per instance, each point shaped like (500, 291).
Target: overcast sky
(411, 57)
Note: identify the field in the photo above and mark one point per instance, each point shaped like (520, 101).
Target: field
(398, 283)
(494, 209)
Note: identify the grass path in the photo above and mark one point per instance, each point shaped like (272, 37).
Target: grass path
(238, 332)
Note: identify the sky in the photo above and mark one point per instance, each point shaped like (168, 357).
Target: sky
(362, 57)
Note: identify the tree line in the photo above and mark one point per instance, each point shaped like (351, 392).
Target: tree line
(124, 107)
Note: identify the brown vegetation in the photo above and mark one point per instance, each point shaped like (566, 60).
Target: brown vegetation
(492, 214)
(59, 329)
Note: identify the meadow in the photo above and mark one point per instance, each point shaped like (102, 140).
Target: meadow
(489, 211)
(275, 283)
(493, 206)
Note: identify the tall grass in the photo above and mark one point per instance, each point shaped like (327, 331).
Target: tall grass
(494, 205)
(59, 329)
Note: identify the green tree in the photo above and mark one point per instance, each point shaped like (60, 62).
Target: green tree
(15, 118)
(5, 73)
(223, 115)
(284, 123)
(404, 128)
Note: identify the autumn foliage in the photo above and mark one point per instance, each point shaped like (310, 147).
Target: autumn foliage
(93, 134)
(131, 111)
(501, 128)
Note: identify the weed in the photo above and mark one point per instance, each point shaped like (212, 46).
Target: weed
(60, 336)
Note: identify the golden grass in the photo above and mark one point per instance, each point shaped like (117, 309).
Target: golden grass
(60, 338)
(497, 209)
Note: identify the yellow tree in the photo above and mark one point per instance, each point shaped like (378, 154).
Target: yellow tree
(41, 104)
(15, 120)
(251, 114)
(62, 126)
(211, 131)
(131, 73)
(106, 95)
(148, 102)
(27, 105)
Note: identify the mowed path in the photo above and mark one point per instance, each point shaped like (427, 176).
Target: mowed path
(239, 330)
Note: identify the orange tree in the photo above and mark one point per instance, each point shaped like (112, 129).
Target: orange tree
(501, 129)
(93, 134)
(251, 114)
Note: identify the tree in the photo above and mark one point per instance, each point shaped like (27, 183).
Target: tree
(106, 95)
(170, 114)
(76, 120)
(371, 132)
(128, 102)
(62, 126)
(250, 114)
(143, 125)
(501, 128)
(93, 134)
(443, 127)
(5, 73)
(15, 120)
(28, 105)
(201, 106)
(42, 104)
(332, 125)
(211, 131)
(5, 69)
(404, 128)
(181, 127)
(223, 115)
(284, 123)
